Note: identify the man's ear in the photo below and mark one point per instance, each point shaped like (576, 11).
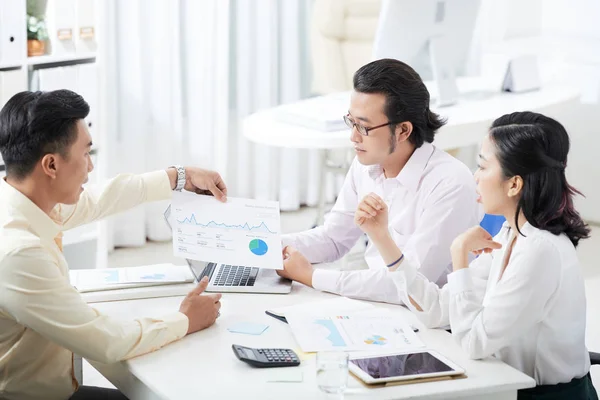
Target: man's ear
(49, 165)
(403, 131)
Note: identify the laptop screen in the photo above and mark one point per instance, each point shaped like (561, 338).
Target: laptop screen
(197, 267)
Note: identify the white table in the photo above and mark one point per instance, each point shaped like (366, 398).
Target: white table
(467, 122)
(203, 365)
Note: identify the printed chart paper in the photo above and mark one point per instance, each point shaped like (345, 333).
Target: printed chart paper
(353, 331)
(239, 232)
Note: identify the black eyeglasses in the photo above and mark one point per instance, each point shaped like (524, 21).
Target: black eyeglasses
(362, 129)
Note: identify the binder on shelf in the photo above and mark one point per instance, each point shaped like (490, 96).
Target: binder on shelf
(13, 44)
(68, 78)
(85, 33)
(47, 79)
(61, 24)
(87, 86)
(11, 83)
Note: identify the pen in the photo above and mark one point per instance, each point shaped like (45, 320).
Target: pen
(282, 319)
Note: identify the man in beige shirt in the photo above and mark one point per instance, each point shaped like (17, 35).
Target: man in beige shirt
(46, 149)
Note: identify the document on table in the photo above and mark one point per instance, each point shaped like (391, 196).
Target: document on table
(333, 305)
(379, 330)
(239, 232)
(91, 280)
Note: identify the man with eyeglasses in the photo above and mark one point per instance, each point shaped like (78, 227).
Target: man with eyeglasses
(429, 196)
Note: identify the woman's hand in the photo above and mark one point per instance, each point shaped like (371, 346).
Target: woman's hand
(372, 216)
(475, 240)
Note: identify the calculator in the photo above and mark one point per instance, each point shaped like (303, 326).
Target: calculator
(266, 358)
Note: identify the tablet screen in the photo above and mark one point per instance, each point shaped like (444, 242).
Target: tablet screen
(401, 365)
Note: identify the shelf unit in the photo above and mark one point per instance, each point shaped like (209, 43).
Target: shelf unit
(42, 61)
(64, 58)
(9, 65)
(84, 246)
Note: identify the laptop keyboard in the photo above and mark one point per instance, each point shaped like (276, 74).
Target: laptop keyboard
(231, 275)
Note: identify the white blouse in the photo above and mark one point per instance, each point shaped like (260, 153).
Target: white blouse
(532, 317)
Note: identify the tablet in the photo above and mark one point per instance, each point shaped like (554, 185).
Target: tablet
(402, 366)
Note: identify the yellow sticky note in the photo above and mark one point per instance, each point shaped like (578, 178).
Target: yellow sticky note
(304, 356)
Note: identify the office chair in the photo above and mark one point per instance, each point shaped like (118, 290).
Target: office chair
(492, 223)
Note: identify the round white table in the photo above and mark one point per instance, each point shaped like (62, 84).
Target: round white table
(467, 122)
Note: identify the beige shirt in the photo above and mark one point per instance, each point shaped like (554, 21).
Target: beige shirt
(43, 319)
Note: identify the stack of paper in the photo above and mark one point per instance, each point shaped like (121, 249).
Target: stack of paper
(90, 280)
(133, 293)
(333, 305)
(373, 330)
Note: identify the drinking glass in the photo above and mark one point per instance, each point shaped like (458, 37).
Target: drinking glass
(332, 371)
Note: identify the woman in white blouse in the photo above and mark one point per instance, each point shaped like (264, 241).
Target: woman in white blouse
(523, 299)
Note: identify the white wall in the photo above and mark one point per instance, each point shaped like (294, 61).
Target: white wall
(572, 17)
(576, 22)
(566, 37)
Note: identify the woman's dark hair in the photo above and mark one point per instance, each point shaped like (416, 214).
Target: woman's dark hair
(406, 97)
(33, 124)
(535, 147)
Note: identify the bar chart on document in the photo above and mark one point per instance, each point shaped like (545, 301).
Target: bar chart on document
(242, 232)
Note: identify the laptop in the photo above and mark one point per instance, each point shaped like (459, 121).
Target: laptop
(239, 279)
(235, 278)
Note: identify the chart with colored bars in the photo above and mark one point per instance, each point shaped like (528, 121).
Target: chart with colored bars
(241, 232)
(376, 340)
(357, 331)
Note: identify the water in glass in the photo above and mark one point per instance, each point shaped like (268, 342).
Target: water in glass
(332, 372)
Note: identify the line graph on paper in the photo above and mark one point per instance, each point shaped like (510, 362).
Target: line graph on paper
(239, 232)
(262, 227)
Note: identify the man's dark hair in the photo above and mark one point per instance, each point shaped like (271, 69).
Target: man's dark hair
(33, 124)
(406, 97)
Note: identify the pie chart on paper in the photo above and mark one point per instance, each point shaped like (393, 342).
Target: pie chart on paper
(258, 247)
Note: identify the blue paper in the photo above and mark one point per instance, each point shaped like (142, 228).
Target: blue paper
(248, 328)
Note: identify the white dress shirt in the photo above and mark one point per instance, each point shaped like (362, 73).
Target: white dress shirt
(532, 317)
(43, 319)
(430, 202)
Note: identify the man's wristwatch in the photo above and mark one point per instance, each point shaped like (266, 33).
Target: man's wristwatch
(180, 177)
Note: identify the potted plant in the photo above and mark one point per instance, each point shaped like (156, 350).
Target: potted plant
(36, 36)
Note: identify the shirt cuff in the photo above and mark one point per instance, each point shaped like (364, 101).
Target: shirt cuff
(325, 280)
(288, 240)
(409, 269)
(158, 185)
(460, 281)
(178, 323)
